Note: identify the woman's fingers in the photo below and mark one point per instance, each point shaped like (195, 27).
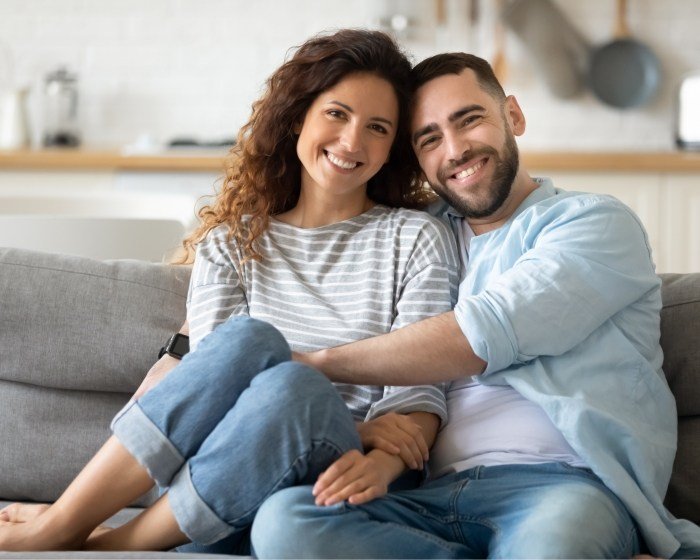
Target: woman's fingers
(353, 474)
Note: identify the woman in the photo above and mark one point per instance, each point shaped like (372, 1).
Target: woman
(306, 235)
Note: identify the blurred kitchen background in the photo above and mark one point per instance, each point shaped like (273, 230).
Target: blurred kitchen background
(149, 75)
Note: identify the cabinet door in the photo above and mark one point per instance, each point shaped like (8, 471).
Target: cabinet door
(640, 191)
(681, 219)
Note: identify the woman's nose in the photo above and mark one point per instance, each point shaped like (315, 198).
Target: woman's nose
(351, 138)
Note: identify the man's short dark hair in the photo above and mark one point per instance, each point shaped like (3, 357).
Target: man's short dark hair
(455, 63)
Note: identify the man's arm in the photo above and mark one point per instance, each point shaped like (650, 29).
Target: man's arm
(429, 351)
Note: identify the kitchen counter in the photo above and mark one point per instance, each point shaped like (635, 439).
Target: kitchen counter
(212, 160)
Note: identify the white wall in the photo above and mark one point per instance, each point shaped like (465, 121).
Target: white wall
(193, 67)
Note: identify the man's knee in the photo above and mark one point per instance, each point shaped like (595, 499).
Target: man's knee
(576, 520)
(288, 525)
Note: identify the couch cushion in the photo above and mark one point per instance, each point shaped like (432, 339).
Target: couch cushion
(76, 323)
(683, 496)
(76, 338)
(680, 325)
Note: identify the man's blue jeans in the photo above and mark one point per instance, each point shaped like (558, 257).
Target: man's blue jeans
(550, 510)
(235, 422)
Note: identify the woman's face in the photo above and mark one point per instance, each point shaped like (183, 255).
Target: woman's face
(347, 134)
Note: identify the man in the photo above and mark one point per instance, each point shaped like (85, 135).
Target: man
(562, 428)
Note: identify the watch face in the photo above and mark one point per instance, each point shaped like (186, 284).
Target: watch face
(181, 345)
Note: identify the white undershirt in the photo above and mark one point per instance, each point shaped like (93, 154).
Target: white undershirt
(495, 425)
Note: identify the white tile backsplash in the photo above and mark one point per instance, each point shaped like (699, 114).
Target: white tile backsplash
(169, 68)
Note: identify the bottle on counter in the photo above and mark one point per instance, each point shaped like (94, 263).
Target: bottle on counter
(61, 109)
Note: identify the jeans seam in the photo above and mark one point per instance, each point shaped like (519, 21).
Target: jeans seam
(344, 507)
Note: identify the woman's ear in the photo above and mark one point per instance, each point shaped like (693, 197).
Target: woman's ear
(296, 129)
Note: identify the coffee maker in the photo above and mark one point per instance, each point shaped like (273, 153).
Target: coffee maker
(61, 109)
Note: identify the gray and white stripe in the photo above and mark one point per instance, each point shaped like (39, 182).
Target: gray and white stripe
(326, 286)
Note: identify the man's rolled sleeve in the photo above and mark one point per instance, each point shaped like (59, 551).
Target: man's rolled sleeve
(488, 331)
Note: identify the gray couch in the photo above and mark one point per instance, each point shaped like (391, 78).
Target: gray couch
(77, 336)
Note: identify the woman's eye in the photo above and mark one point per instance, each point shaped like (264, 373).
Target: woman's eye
(336, 114)
(379, 128)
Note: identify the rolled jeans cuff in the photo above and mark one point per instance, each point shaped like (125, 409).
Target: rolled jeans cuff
(148, 445)
(195, 518)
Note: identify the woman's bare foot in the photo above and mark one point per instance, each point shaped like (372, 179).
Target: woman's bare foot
(41, 532)
(21, 513)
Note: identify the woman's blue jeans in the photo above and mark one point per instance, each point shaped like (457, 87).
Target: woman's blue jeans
(234, 423)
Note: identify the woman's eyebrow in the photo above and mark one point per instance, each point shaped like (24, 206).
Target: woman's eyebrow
(350, 110)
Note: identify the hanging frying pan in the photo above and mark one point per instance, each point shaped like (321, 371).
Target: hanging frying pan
(624, 73)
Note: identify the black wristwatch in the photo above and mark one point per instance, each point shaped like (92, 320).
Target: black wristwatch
(177, 346)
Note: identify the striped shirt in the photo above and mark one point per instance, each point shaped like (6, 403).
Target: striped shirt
(327, 286)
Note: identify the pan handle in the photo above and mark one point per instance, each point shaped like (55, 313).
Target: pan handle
(622, 30)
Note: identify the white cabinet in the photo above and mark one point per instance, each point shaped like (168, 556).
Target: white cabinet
(680, 214)
(667, 204)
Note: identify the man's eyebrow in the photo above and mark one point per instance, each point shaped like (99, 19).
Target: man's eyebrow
(427, 129)
(350, 110)
(458, 114)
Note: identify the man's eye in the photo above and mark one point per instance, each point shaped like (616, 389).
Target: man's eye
(469, 120)
(429, 141)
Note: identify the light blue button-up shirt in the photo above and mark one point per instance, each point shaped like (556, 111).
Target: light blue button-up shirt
(563, 304)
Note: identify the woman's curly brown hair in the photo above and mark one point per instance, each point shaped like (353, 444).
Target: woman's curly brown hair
(263, 171)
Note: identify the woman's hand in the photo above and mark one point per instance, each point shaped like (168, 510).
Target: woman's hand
(356, 478)
(156, 374)
(396, 434)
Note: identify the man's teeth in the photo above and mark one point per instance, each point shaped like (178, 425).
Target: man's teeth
(335, 160)
(473, 169)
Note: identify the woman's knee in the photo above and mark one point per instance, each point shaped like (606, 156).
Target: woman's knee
(242, 341)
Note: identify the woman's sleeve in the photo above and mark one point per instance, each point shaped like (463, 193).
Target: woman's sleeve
(216, 291)
(428, 288)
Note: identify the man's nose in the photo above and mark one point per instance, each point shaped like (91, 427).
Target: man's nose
(455, 147)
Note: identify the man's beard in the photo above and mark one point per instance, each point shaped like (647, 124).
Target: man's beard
(502, 182)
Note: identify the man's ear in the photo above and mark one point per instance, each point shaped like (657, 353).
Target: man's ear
(514, 116)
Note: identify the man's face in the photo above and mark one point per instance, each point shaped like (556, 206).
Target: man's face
(465, 144)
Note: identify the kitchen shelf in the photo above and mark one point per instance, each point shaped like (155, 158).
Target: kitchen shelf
(212, 161)
(84, 159)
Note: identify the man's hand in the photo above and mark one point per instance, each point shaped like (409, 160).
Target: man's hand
(155, 375)
(357, 478)
(396, 434)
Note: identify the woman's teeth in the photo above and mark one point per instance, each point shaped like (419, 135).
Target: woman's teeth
(470, 171)
(335, 160)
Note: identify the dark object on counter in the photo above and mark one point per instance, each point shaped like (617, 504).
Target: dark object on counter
(61, 140)
(61, 109)
(194, 143)
(688, 128)
(557, 48)
(624, 73)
